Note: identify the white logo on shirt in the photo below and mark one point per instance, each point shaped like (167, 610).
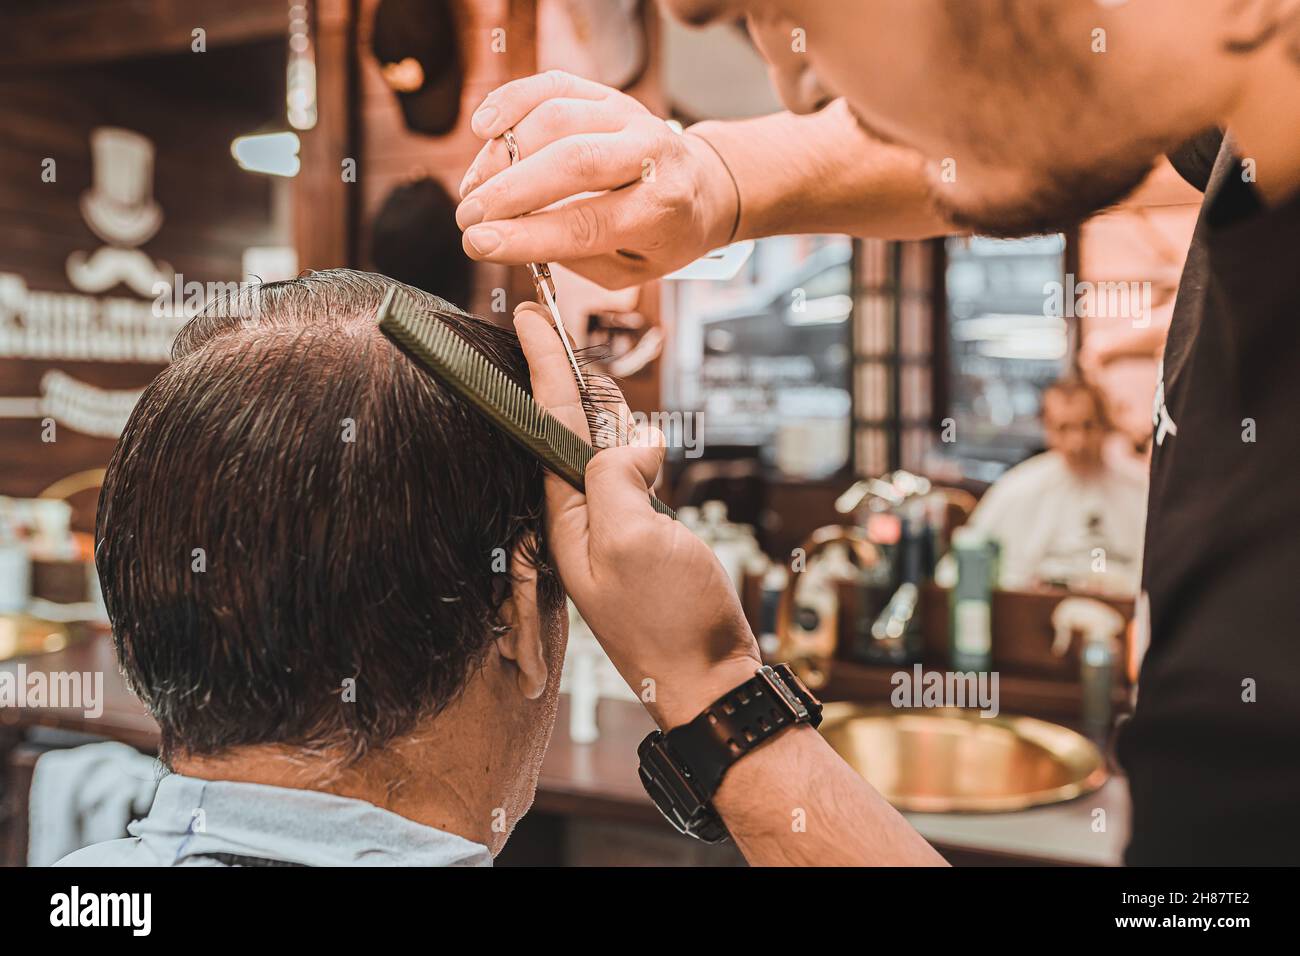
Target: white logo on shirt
(1160, 418)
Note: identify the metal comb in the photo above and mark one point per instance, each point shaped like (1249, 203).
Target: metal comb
(436, 347)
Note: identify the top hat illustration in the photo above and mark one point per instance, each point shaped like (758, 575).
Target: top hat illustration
(119, 207)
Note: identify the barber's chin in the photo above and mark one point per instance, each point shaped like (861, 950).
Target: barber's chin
(1029, 205)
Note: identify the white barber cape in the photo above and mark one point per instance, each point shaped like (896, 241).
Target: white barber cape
(1053, 525)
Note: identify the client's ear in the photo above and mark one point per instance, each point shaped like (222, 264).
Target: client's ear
(522, 645)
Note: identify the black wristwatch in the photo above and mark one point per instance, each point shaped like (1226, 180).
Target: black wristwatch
(683, 768)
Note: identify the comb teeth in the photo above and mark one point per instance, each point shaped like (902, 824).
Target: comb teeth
(456, 363)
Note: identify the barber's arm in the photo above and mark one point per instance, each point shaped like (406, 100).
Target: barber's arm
(663, 199)
(668, 616)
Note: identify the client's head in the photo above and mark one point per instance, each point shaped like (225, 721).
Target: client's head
(1075, 423)
(325, 570)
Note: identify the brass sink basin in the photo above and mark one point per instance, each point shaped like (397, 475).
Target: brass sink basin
(955, 761)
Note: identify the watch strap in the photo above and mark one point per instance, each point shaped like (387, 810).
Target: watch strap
(683, 768)
(739, 721)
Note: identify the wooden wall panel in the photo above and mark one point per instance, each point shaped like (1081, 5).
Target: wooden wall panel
(391, 154)
(325, 206)
(62, 33)
(190, 107)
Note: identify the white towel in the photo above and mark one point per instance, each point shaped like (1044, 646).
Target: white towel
(86, 795)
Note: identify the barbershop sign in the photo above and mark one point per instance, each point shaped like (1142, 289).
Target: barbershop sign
(107, 318)
(92, 292)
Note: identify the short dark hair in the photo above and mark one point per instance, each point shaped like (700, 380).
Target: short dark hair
(292, 504)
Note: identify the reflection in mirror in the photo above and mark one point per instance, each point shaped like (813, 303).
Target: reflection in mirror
(765, 357)
(1005, 348)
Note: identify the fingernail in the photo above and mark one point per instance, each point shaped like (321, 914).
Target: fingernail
(469, 213)
(483, 240)
(468, 183)
(482, 121)
(534, 308)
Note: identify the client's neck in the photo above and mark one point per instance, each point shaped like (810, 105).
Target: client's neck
(441, 775)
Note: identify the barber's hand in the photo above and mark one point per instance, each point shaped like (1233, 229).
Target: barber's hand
(662, 199)
(653, 593)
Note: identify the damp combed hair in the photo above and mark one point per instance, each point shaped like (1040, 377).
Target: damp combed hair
(303, 539)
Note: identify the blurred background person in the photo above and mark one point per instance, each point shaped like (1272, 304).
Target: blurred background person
(1072, 516)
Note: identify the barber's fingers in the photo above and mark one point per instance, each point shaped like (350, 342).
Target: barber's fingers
(590, 162)
(555, 390)
(618, 491)
(554, 387)
(652, 442)
(550, 121)
(614, 270)
(576, 230)
(551, 372)
(618, 479)
(508, 104)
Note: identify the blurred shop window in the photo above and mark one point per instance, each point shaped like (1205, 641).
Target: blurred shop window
(765, 358)
(1004, 347)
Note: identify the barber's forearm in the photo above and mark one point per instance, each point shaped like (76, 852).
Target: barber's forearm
(795, 802)
(823, 173)
(792, 801)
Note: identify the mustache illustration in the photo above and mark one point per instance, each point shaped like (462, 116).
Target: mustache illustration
(108, 266)
(86, 408)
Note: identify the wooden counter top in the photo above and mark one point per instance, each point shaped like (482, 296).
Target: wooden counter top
(598, 781)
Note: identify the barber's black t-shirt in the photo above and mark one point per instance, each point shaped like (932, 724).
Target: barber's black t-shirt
(1213, 749)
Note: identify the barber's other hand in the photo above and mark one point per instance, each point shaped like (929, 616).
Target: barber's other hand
(653, 593)
(661, 199)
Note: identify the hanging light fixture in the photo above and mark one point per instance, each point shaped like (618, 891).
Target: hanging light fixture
(300, 78)
(275, 154)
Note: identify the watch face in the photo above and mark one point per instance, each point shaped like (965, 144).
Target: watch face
(680, 807)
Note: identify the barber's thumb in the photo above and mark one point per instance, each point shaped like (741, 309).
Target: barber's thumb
(650, 443)
(529, 306)
(618, 479)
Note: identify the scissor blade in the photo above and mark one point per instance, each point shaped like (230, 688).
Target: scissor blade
(564, 335)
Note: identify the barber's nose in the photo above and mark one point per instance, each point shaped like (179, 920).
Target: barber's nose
(803, 92)
(789, 69)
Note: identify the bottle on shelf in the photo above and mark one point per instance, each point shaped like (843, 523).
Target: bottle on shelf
(972, 600)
